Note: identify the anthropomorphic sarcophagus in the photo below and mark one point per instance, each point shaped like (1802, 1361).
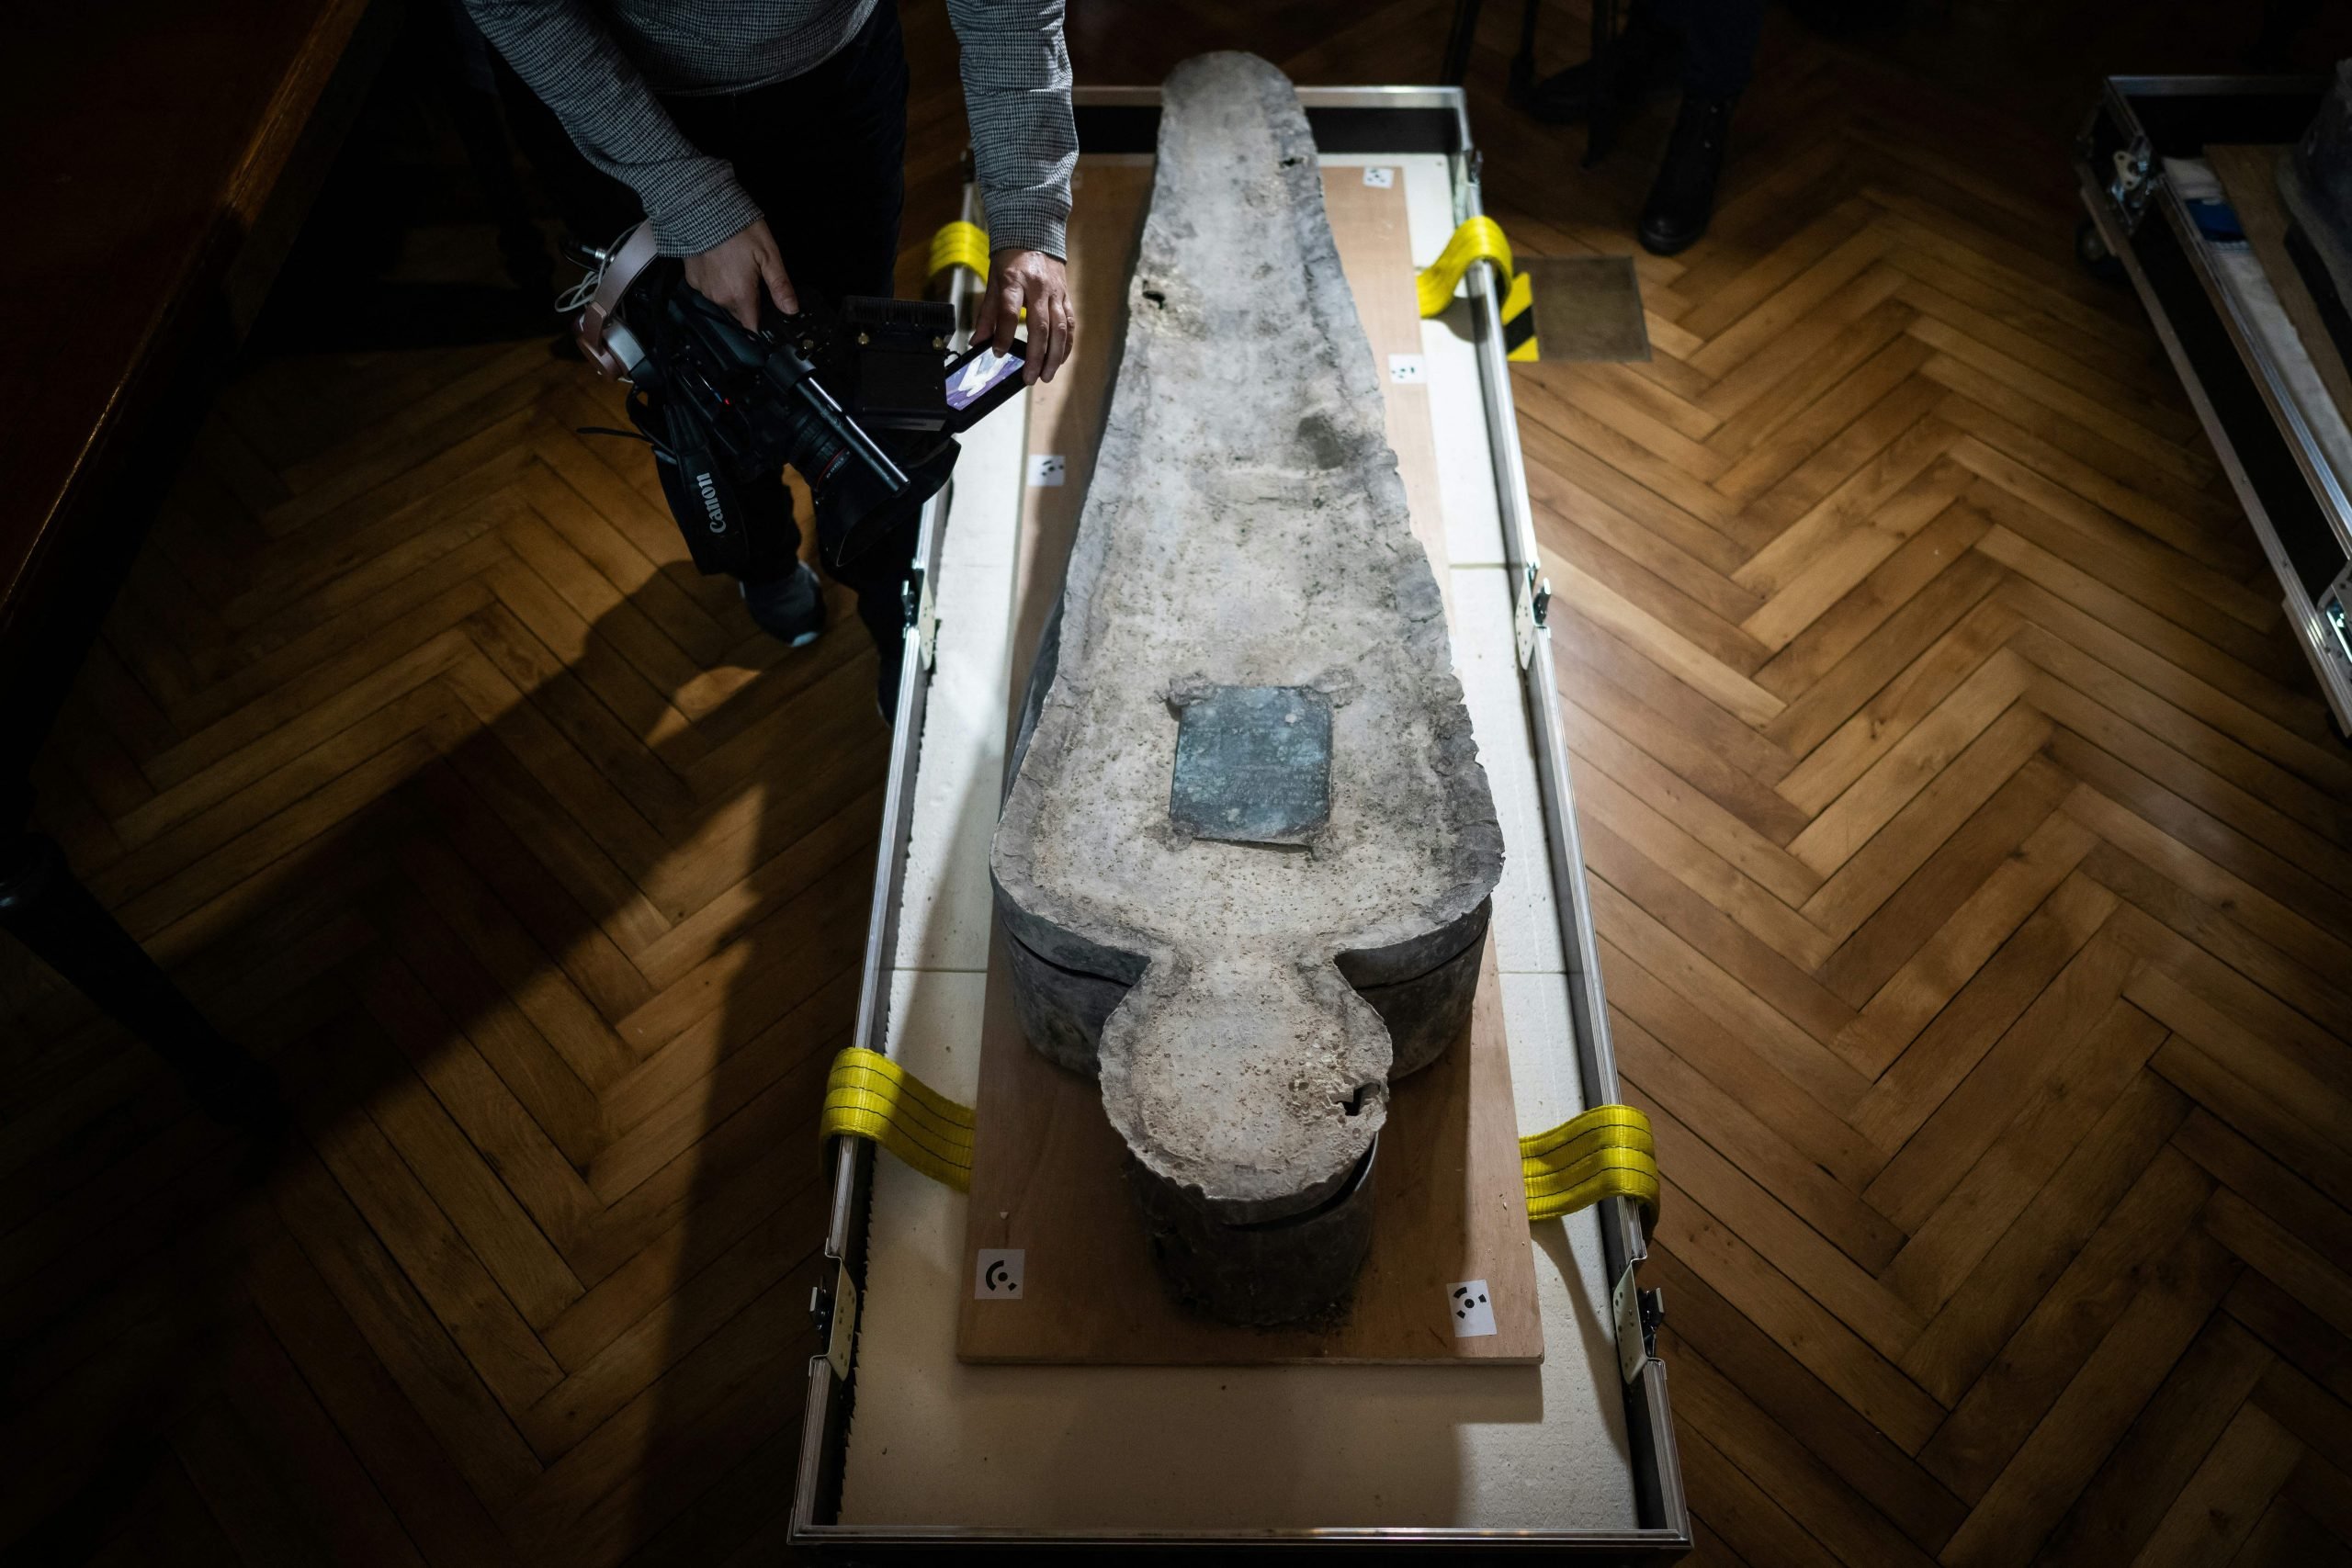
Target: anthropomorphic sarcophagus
(1247, 850)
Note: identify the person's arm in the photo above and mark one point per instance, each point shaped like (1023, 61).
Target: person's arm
(565, 55)
(1025, 145)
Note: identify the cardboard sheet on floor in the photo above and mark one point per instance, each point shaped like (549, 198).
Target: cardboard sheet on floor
(1587, 308)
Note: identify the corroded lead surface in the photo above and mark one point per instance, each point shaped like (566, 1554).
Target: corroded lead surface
(1244, 528)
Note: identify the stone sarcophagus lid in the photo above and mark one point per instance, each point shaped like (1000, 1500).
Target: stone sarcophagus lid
(1246, 852)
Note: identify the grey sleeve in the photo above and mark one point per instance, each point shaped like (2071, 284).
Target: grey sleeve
(1016, 92)
(566, 56)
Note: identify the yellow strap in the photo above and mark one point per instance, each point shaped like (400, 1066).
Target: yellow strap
(1605, 1153)
(1478, 238)
(959, 245)
(869, 1096)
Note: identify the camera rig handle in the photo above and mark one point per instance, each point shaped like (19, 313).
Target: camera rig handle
(605, 342)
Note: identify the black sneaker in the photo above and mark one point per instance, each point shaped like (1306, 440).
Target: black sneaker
(790, 608)
(1682, 199)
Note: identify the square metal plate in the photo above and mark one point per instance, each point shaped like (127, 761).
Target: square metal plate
(1253, 764)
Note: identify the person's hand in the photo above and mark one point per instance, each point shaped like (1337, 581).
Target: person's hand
(1041, 283)
(732, 273)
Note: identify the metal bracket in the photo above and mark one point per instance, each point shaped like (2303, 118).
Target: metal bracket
(927, 626)
(1468, 164)
(2332, 612)
(834, 1312)
(2134, 182)
(1638, 1313)
(2131, 177)
(922, 615)
(1530, 609)
(2328, 635)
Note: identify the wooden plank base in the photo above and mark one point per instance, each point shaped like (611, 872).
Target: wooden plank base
(1048, 1176)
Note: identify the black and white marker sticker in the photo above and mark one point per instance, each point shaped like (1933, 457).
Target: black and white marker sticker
(996, 1274)
(1473, 1314)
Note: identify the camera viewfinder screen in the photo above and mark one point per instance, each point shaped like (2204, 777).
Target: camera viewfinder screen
(973, 380)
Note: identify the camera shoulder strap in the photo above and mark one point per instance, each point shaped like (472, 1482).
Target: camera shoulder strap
(704, 498)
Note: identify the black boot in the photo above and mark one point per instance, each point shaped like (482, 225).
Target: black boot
(1640, 65)
(1683, 196)
(789, 607)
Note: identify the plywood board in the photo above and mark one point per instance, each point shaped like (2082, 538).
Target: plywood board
(1107, 200)
(2249, 176)
(1048, 1179)
(1367, 213)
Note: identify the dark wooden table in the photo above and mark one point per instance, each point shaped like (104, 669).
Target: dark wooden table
(160, 157)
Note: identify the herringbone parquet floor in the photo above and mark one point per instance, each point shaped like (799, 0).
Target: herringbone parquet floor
(1966, 839)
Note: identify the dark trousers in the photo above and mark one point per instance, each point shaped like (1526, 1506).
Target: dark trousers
(1719, 41)
(824, 156)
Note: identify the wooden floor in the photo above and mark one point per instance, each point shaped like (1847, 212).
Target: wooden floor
(1968, 846)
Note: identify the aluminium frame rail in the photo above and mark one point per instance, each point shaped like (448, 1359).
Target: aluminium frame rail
(2297, 503)
(1380, 120)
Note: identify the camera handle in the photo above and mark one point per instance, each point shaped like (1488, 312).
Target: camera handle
(605, 343)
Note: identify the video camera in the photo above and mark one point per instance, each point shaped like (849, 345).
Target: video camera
(725, 409)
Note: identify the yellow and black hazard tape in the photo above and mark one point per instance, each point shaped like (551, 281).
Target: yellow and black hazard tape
(1519, 319)
(959, 245)
(1605, 1153)
(869, 1096)
(1482, 239)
